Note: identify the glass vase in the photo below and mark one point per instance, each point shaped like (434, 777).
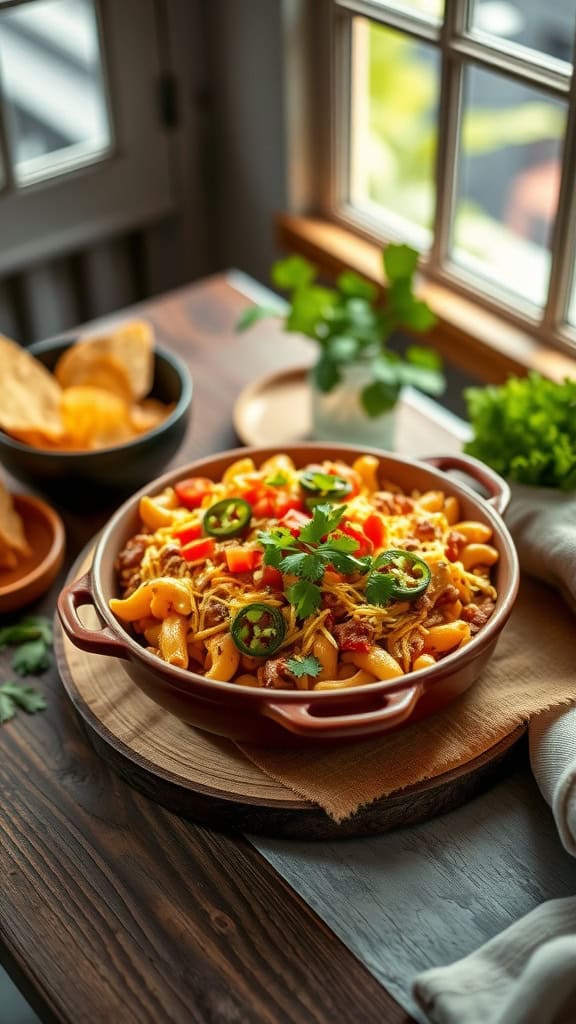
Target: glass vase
(338, 415)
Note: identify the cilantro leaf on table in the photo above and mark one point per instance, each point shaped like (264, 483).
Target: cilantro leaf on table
(31, 658)
(13, 696)
(32, 627)
(304, 665)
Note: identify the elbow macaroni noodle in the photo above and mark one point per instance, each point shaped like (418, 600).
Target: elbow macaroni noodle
(183, 606)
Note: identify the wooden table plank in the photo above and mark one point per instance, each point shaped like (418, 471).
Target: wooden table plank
(112, 909)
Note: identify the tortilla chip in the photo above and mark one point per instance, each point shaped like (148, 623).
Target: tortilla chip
(84, 364)
(94, 418)
(131, 347)
(149, 414)
(12, 534)
(29, 394)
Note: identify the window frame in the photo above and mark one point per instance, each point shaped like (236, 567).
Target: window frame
(458, 48)
(129, 184)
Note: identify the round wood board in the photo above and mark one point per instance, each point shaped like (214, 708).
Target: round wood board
(207, 778)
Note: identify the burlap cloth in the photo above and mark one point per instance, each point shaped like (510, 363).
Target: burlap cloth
(532, 670)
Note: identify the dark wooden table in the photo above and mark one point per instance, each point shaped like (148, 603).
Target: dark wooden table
(111, 909)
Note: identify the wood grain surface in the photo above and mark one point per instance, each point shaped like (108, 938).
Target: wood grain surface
(113, 910)
(208, 779)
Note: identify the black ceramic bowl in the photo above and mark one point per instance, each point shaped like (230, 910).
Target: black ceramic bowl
(79, 478)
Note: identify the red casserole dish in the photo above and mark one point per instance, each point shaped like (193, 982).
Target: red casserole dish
(273, 717)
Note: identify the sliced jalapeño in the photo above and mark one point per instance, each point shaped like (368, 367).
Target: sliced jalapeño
(258, 630)
(320, 487)
(410, 573)
(227, 518)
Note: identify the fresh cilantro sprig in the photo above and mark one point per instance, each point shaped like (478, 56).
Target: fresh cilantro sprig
(14, 696)
(32, 636)
(304, 665)
(308, 555)
(32, 627)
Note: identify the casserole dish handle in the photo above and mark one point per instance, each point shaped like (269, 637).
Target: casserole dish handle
(497, 488)
(95, 641)
(301, 720)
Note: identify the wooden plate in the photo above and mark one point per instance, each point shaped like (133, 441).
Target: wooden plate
(276, 409)
(207, 778)
(35, 573)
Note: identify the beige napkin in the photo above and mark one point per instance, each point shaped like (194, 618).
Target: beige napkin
(527, 975)
(532, 670)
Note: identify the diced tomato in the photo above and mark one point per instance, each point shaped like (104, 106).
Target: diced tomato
(294, 520)
(198, 550)
(275, 502)
(286, 502)
(191, 531)
(263, 507)
(375, 530)
(272, 577)
(192, 492)
(365, 545)
(242, 559)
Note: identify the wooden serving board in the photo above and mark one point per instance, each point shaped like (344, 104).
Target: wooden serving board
(207, 778)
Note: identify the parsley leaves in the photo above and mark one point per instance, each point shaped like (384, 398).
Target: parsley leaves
(304, 665)
(308, 555)
(13, 696)
(32, 636)
(524, 429)
(31, 658)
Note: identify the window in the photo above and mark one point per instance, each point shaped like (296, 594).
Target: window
(53, 83)
(455, 131)
(84, 152)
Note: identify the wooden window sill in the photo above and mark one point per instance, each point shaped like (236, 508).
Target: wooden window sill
(467, 335)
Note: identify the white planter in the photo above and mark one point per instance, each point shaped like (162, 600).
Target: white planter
(339, 415)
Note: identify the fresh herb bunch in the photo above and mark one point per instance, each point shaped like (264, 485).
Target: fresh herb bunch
(350, 325)
(318, 545)
(32, 637)
(526, 430)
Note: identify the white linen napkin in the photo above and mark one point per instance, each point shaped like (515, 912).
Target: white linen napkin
(527, 974)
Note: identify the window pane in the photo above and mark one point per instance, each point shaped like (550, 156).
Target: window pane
(395, 83)
(547, 28)
(52, 81)
(509, 177)
(429, 8)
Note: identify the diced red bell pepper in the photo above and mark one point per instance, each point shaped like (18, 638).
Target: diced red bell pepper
(263, 507)
(199, 550)
(191, 531)
(286, 502)
(375, 530)
(365, 545)
(272, 577)
(294, 520)
(242, 559)
(191, 492)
